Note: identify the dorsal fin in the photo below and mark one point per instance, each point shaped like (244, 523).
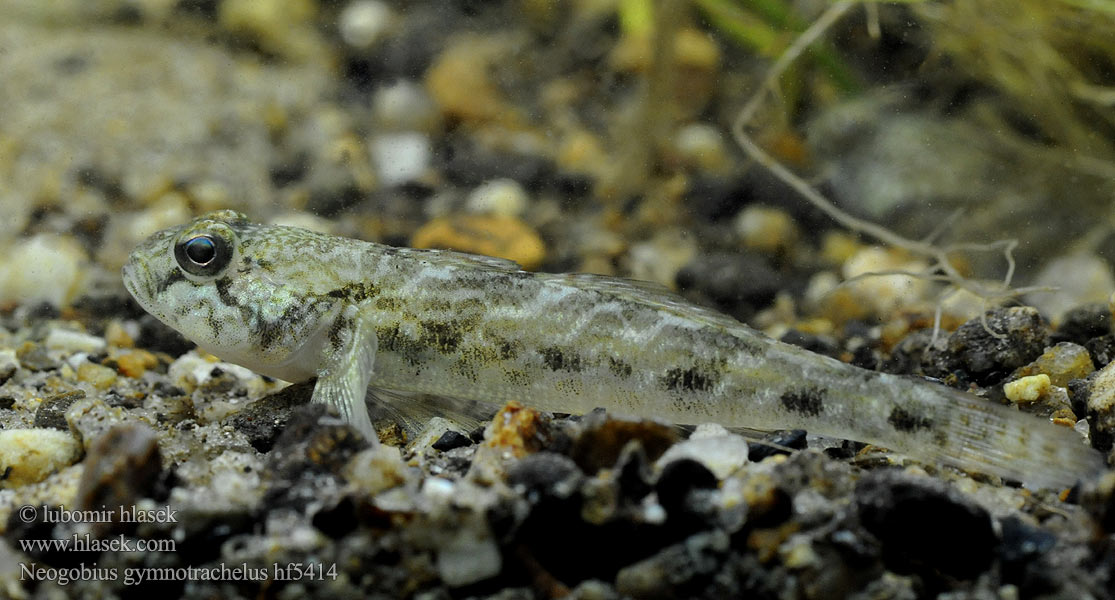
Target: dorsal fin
(462, 259)
(650, 293)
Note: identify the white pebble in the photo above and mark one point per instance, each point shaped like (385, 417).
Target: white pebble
(9, 363)
(721, 452)
(73, 341)
(504, 197)
(376, 469)
(1102, 397)
(30, 455)
(765, 228)
(701, 144)
(1027, 389)
(438, 490)
(45, 268)
(400, 157)
(403, 104)
(885, 293)
(364, 22)
(468, 556)
(191, 370)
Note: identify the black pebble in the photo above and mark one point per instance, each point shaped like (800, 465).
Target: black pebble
(450, 440)
(265, 419)
(1022, 555)
(924, 526)
(1102, 350)
(737, 282)
(972, 350)
(545, 475)
(1084, 323)
(38, 359)
(679, 479)
(813, 343)
(790, 438)
(51, 413)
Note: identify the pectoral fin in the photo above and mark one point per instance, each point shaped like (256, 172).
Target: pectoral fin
(350, 355)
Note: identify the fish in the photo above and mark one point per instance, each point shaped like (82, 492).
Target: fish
(296, 305)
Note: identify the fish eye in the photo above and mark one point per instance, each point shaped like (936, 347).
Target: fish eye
(203, 255)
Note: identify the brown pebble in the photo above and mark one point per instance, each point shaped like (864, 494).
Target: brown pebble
(121, 466)
(116, 335)
(515, 428)
(52, 410)
(135, 363)
(604, 437)
(99, 376)
(490, 235)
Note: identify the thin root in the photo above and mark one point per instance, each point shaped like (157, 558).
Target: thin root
(937, 255)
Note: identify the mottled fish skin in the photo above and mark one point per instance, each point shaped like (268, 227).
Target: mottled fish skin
(296, 304)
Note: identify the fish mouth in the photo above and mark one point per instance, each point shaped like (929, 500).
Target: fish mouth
(127, 273)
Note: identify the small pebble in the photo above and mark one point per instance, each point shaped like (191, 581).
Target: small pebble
(400, 157)
(1101, 349)
(489, 235)
(36, 357)
(467, 555)
(460, 81)
(1101, 406)
(781, 443)
(73, 341)
(885, 293)
(839, 246)
(451, 439)
(581, 152)
(662, 257)
(44, 268)
(1027, 389)
(514, 429)
(766, 229)
(677, 571)
(1020, 336)
(92, 417)
(135, 363)
(9, 363)
(501, 197)
(117, 334)
(1083, 323)
(280, 26)
(403, 105)
(701, 145)
(604, 437)
(376, 469)
(364, 22)
(1062, 363)
(192, 370)
(52, 411)
(924, 525)
(30, 455)
(122, 465)
(99, 376)
(719, 451)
